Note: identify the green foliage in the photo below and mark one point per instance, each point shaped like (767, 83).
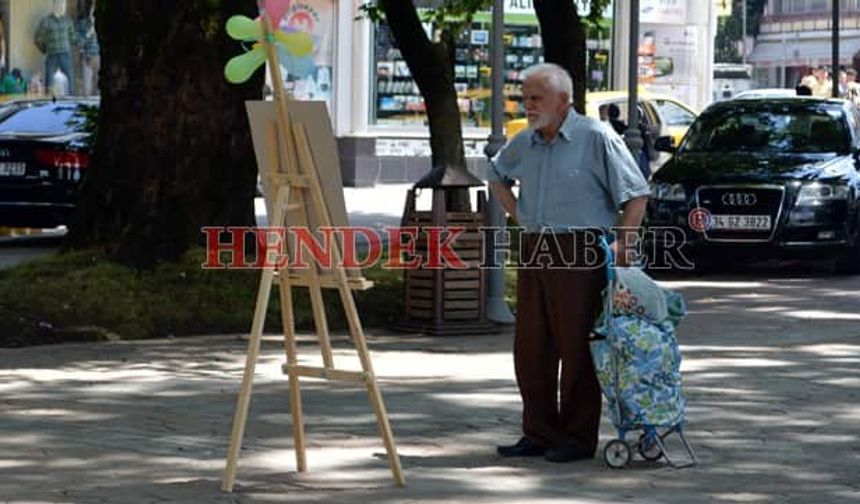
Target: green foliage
(82, 296)
(725, 43)
(454, 16)
(86, 119)
(592, 11)
(730, 30)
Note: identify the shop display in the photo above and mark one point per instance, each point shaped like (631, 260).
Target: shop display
(398, 101)
(90, 51)
(55, 37)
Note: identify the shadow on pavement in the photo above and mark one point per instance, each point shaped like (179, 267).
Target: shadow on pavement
(771, 369)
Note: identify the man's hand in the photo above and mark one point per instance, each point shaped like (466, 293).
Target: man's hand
(624, 246)
(506, 197)
(620, 251)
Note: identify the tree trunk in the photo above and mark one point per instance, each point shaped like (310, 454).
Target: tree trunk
(173, 151)
(432, 67)
(563, 33)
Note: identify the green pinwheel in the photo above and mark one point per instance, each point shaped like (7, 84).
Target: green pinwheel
(239, 69)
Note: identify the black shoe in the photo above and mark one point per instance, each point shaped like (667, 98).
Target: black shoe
(525, 447)
(567, 453)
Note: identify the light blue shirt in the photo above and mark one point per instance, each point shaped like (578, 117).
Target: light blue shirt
(578, 180)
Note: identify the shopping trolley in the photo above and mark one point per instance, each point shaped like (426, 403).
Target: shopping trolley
(638, 361)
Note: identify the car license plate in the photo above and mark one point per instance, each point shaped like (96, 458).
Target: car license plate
(741, 222)
(13, 169)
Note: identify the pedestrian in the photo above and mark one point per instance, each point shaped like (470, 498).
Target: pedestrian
(803, 90)
(574, 175)
(843, 84)
(615, 119)
(819, 82)
(852, 86)
(648, 152)
(603, 112)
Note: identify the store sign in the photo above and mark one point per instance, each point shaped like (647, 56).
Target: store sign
(663, 11)
(669, 60)
(519, 7)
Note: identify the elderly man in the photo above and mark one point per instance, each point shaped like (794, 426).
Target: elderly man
(574, 175)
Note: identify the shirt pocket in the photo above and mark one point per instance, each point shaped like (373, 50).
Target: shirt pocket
(566, 182)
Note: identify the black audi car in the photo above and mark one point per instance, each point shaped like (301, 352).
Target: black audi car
(44, 155)
(762, 178)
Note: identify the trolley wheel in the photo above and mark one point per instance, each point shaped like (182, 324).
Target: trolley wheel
(649, 452)
(617, 454)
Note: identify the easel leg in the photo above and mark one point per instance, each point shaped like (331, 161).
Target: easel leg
(385, 430)
(370, 382)
(352, 316)
(241, 414)
(321, 324)
(292, 360)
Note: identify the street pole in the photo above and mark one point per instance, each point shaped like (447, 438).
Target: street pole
(744, 33)
(632, 136)
(497, 307)
(783, 78)
(834, 69)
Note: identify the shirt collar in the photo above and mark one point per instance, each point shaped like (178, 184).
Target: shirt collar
(565, 132)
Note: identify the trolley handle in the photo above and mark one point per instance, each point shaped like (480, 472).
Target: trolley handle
(611, 276)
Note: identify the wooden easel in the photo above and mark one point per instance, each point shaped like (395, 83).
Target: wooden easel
(298, 189)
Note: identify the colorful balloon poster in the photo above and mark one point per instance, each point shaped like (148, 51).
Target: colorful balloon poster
(309, 76)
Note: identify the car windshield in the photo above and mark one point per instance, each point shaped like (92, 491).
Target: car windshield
(770, 127)
(48, 119)
(674, 114)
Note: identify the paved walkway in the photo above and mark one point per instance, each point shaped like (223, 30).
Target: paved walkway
(772, 375)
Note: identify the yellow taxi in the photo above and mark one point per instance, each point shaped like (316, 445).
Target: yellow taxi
(671, 116)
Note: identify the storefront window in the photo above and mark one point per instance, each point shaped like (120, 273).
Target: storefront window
(397, 101)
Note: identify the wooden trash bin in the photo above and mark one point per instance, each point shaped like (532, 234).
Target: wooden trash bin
(447, 301)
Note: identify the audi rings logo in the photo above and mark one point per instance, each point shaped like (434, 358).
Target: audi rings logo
(738, 199)
(4, 153)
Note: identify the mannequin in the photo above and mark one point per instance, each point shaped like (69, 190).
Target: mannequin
(2, 46)
(90, 52)
(55, 37)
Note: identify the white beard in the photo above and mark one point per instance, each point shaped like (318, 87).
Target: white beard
(542, 121)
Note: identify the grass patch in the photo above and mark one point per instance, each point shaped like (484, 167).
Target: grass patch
(82, 296)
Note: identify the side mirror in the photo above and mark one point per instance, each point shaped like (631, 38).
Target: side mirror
(665, 144)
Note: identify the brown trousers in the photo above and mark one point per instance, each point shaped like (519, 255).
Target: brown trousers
(556, 310)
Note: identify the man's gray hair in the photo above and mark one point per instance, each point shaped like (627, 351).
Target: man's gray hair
(555, 77)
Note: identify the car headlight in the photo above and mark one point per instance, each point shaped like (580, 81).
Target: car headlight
(817, 193)
(668, 192)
